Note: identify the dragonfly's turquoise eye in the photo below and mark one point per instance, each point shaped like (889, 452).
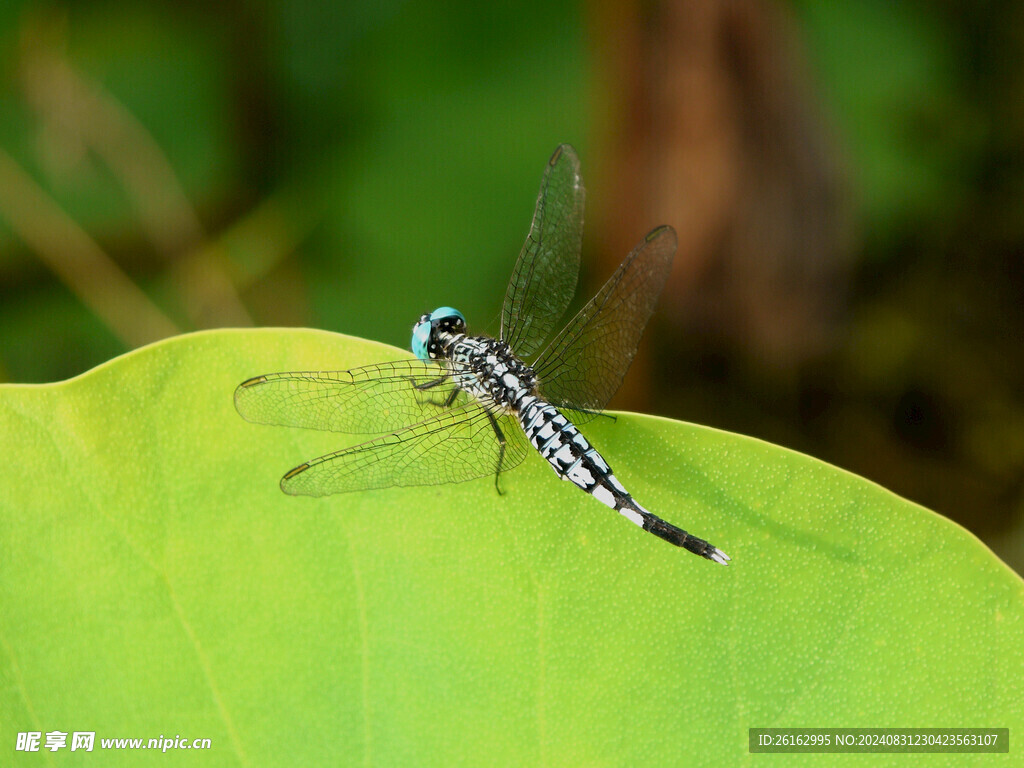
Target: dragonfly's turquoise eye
(444, 318)
(421, 337)
(441, 314)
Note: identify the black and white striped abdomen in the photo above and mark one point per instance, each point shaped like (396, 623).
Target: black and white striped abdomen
(574, 459)
(569, 453)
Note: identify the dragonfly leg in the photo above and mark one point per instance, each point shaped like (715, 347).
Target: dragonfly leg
(428, 385)
(431, 384)
(501, 450)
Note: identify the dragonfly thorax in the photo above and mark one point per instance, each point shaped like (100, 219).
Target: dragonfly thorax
(489, 370)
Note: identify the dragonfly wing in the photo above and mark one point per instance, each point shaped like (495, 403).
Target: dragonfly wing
(457, 444)
(375, 398)
(544, 279)
(584, 365)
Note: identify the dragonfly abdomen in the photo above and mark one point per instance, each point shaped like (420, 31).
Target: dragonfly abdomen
(573, 458)
(568, 452)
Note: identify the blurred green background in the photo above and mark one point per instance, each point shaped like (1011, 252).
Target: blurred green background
(847, 180)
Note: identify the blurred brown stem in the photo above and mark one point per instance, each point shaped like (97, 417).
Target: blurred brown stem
(85, 112)
(77, 260)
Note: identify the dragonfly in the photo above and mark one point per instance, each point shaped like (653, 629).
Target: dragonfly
(472, 406)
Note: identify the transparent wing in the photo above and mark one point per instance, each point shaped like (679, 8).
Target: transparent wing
(544, 279)
(376, 398)
(457, 444)
(584, 365)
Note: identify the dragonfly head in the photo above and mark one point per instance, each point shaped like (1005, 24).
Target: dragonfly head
(425, 344)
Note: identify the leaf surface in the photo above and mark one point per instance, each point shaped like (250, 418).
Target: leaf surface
(155, 581)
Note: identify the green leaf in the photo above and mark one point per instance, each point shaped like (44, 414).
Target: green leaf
(155, 582)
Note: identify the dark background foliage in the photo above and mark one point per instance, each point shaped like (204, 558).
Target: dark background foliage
(847, 180)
